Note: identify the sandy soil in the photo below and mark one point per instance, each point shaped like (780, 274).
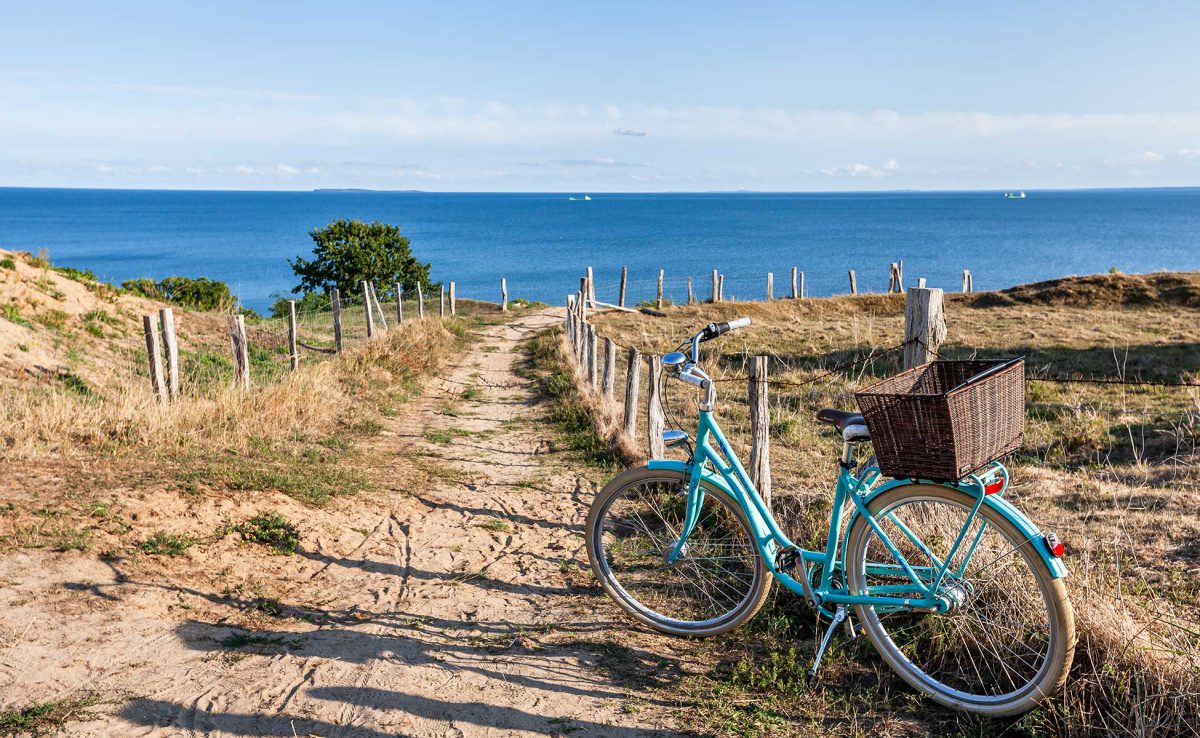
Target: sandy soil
(460, 608)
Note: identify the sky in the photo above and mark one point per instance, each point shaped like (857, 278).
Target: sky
(590, 97)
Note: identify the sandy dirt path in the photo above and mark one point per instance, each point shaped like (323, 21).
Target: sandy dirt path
(449, 610)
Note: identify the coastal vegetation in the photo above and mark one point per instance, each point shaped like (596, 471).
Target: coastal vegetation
(346, 252)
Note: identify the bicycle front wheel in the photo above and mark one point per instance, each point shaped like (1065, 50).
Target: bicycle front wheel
(1008, 639)
(718, 582)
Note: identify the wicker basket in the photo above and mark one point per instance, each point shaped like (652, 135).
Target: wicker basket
(944, 420)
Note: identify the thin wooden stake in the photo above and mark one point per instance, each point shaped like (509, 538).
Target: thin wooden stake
(801, 275)
(924, 325)
(691, 296)
(399, 303)
(167, 319)
(921, 283)
(633, 368)
(853, 283)
(441, 301)
(608, 380)
(378, 307)
(453, 306)
(591, 287)
(593, 375)
(154, 356)
(721, 289)
(655, 423)
(660, 285)
(366, 290)
(795, 288)
(716, 291)
(503, 295)
(335, 303)
(569, 319)
(760, 428)
(293, 349)
(241, 351)
(624, 279)
(770, 286)
(420, 301)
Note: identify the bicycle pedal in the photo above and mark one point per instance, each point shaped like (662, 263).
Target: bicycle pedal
(787, 558)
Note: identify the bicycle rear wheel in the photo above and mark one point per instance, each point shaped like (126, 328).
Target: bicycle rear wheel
(716, 585)
(1009, 637)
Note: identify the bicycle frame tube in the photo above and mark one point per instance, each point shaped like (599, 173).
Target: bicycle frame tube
(714, 462)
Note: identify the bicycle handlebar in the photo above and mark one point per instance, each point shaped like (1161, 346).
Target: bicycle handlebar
(713, 330)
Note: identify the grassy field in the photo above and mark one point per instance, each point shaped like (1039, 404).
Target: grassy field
(1109, 467)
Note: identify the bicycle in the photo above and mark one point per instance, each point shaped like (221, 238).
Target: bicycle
(958, 591)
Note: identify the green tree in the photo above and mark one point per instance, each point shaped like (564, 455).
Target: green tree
(349, 251)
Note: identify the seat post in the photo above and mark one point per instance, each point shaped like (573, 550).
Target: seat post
(847, 453)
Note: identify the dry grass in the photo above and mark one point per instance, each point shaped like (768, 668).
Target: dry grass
(49, 419)
(1110, 468)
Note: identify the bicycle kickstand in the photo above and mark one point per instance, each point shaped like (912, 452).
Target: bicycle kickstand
(838, 616)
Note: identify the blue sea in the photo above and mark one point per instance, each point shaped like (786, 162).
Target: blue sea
(542, 242)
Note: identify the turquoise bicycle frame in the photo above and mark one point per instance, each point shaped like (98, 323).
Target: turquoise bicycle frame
(721, 468)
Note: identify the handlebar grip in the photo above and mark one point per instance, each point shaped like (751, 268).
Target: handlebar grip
(717, 329)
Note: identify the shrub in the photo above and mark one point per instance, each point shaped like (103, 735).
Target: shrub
(194, 293)
(349, 251)
(167, 544)
(308, 302)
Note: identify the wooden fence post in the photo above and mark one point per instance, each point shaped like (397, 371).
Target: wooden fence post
(795, 288)
(399, 303)
(167, 318)
(770, 286)
(293, 349)
(366, 290)
(801, 274)
(154, 355)
(853, 283)
(924, 325)
(593, 375)
(660, 285)
(967, 286)
(420, 301)
(378, 307)
(569, 319)
(453, 306)
(632, 379)
(241, 351)
(441, 301)
(608, 380)
(921, 283)
(335, 303)
(624, 279)
(591, 287)
(503, 295)
(691, 296)
(891, 277)
(760, 428)
(655, 423)
(716, 292)
(721, 289)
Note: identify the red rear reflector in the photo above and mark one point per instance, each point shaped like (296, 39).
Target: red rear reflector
(993, 488)
(1055, 546)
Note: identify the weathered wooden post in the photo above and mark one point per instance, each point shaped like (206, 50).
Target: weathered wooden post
(660, 285)
(453, 306)
(632, 379)
(591, 287)
(716, 292)
(655, 423)
(691, 296)
(241, 351)
(366, 290)
(569, 318)
(624, 280)
(420, 301)
(167, 319)
(378, 307)
(967, 284)
(335, 304)
(154, 355)
(503, 295)
(801, 275)
(770, 286)
(760, 428)
(795, 287)
(891, 277)
(924, 325)
(921, 282)
(593, 375)
(399, 303)
(293, 349)
(441, 301)
(853, 283)
(608, 380)
(721, 289)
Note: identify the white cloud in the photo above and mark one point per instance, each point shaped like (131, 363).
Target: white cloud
(855, 170)
(891, 165)
(1152, 157)
(286, 170)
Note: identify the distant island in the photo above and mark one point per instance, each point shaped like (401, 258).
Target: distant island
(363, 189)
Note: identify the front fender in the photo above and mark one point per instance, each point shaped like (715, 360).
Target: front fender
(997, 503)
